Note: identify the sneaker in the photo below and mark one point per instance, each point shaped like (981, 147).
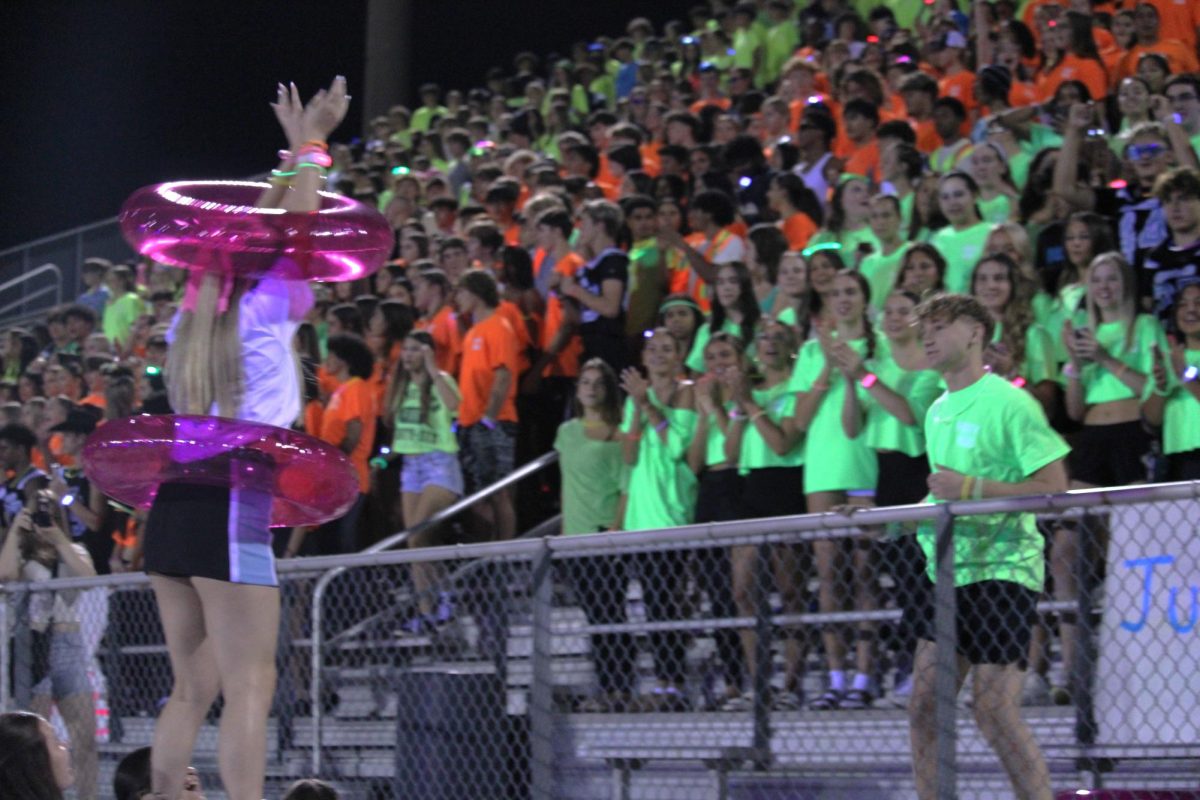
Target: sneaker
(830, 701)
(1036, 690)
(739, 703)
(784, 700)
(857, 698)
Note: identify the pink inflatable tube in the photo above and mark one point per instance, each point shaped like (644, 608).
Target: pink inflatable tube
(214, 226)
(311, 481)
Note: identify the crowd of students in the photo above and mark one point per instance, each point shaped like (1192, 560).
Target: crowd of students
(702, 246)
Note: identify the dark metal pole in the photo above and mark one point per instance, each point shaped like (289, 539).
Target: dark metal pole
(387, 64)
(945, 683)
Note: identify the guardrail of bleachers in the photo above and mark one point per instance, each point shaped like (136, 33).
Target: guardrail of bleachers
(67, 250)
(31, 301)
(1135, 623)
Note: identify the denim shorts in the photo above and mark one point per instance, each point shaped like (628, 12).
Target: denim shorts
(68, 667)
(435, 468)
(487, 454)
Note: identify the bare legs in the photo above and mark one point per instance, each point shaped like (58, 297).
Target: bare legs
(221, 637)
(79, 714)
(997, 709)
(417, 508)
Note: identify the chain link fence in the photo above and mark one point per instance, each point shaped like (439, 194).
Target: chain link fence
(709, 661)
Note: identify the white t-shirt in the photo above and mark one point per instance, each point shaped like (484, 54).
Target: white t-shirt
(268, 317)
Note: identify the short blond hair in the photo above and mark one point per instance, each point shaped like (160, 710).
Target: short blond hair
(951, 307)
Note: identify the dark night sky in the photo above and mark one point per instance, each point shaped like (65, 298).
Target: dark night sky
(103, 96)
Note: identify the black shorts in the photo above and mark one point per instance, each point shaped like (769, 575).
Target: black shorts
(994, 618)
(210, 532)
(1109, 455)
(902, 479)
(1184, 466)
(775, 492)
(720, 496)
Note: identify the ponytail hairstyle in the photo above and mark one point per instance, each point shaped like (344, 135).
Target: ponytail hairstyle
(746, 303)
(204, 363)
(1017, 316)
(868, 327)
(401, 379)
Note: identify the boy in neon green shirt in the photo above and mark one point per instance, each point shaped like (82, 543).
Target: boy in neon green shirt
(985, 438)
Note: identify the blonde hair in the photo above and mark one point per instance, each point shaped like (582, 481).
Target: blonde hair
(1128, 294)
(204, 363)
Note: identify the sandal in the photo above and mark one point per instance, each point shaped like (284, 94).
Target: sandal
(785, 700)
(830, 701)
(857, 698)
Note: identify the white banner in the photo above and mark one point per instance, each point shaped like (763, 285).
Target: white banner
(1148, 677)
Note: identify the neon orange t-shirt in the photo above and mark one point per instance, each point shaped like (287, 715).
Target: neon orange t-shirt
(798, 229)
(353, 400)
(487, 346)
(516, 320)
(1177, 54)
(95, 399)
(1180, 18)
(720, 102)
(1089, 72)
(927, 136)
(326, 384)
(447, 338)
(566, 363)
(651, 164)
(1022, 94)
(864, 160)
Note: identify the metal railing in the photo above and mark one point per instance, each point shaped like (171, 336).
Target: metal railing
(395, 540)
(542, 556)
(67, 250)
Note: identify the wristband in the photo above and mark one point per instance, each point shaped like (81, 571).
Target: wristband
(757, 414)
(1070, 371)
(488, 423)
(734, 414)
(379, 462)
(977, 493)
(965, 492)
(869, 380)
(1189, 374)
(1019, 382)
(662, 426)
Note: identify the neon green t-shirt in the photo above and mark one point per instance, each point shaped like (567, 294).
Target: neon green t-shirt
(411, 436)
(994, 431)
(592, 477)
(746, 42)
(835, 461)
(662, 489)
(782, 41)
(880, 271)
(998, 209)
(1102, 386)
(1039, 363)
(962, 250)
(1052, 311)
(849, 240)
(1181, 423)
(714, 446)
(779, 402)
(423, 117)
(119, 316)
(919, 387)
(1018, 168)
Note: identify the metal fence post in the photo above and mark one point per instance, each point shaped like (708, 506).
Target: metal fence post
(763, 666)
(5, 654)
(541, 690)
(1082, 671)
(946, 678)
